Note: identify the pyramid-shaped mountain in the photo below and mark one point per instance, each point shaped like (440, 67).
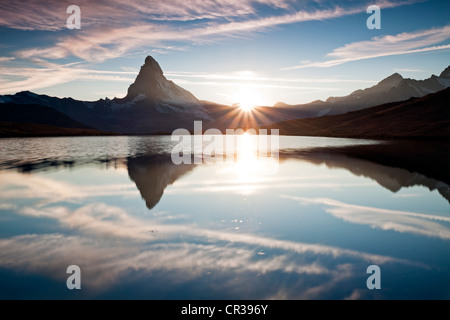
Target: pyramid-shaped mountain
(152, 84)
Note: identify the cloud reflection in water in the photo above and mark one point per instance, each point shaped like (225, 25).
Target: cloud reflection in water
(101, 224)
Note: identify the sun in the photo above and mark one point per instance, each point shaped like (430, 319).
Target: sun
(247, 98)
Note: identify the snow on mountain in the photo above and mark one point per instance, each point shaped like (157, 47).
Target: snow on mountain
(140, 97)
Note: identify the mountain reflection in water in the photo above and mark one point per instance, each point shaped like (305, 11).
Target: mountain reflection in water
(152, 174)
(223, 231)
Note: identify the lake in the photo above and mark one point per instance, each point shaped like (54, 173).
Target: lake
(140, 227)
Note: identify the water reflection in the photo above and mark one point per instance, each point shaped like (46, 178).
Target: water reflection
(307, 232)
(214, 258)
(152, 175)
(389, 177)
(385, 219)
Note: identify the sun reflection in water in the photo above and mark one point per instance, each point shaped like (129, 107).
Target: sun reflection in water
(254, 163)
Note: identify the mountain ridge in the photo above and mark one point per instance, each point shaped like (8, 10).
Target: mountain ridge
(424, 117)
(154, 104)
(393, 88)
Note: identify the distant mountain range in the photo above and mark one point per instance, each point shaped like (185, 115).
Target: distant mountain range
(392, 89)
(154, 104)
(425, 117)
(38, 114)
(18, 120)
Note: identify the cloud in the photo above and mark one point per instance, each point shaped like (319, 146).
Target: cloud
(99, 219)
(385, 219)
(6, 59)
(51, 15)
(113, 247)
(112, 29)
(390, 45)
(7, 206)
(126, 31)
(408, 70)
(50, 191)
(108, 243)
(107, 263)
(255, 77)
(47, 74)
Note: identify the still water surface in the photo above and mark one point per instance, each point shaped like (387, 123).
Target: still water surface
(141, 227)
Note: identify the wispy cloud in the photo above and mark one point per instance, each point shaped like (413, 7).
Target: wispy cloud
(112, 29)
(253, 76)
(255, 80)
(408, 70)
(140, 246)
(100, 219)
(46, 74)
(51, 15)
(390, 45)
(127, 30)
(51, 191)
(109, 242)
(106, 264)
(385, 219)
(6, 59)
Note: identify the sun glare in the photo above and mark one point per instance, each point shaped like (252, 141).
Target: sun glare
(248, 99)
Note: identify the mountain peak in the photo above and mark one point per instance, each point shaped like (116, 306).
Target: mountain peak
(151, 65)
(153, 89)
(150, 59)
(391, 81)
(147, 80)
(445, 73)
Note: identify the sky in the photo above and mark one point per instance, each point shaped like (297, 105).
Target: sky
(225, 51)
